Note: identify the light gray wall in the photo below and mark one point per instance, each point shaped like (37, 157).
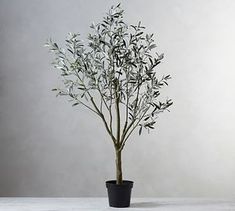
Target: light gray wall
(48, 148)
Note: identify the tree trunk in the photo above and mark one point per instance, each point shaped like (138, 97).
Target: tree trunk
(118, 167)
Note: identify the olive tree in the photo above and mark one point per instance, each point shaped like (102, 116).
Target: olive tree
(114, 76)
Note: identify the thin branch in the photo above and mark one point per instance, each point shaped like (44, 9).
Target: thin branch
(118, 114)
(126, 138)
(133, 121)
(102, 97)
(127, 104)
(108, 108)
(87, 107)
(104, 121)
(97, 110)
(101, 105)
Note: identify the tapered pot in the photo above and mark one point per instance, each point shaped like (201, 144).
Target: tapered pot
(119, 195)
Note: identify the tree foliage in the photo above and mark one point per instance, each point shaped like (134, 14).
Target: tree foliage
(114, 75)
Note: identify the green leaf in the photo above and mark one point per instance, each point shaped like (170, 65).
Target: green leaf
(70, 51)
(75, 104)
(134, 27)
(140, 130)
(138, 34)
(55, 45)
(151, 61)
(161, 56)
(152, 46)
(145, 119)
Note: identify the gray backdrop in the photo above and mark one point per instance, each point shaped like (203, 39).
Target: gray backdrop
(48, 148)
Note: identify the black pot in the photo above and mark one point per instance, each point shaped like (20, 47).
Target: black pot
(119, 195)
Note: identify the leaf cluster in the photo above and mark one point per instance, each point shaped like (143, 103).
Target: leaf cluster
(119, 65)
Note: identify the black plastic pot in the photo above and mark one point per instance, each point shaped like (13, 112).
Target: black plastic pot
(119, 195)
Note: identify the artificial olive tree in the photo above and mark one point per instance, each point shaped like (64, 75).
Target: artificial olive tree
(114, 76)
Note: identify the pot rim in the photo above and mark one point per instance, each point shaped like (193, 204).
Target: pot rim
(124, 183)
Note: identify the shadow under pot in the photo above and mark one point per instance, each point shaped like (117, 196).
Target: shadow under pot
(119, 194)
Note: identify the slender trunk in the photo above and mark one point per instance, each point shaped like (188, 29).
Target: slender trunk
(118, 151)
(118, 167)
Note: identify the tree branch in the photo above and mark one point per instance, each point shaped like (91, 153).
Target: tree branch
(127, 128)
(118, 114)
(127, 104)
(87, 106)
(108, 108)
(104, 121)
(126, 138)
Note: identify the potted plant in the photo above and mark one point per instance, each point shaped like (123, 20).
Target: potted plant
(114, 77)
